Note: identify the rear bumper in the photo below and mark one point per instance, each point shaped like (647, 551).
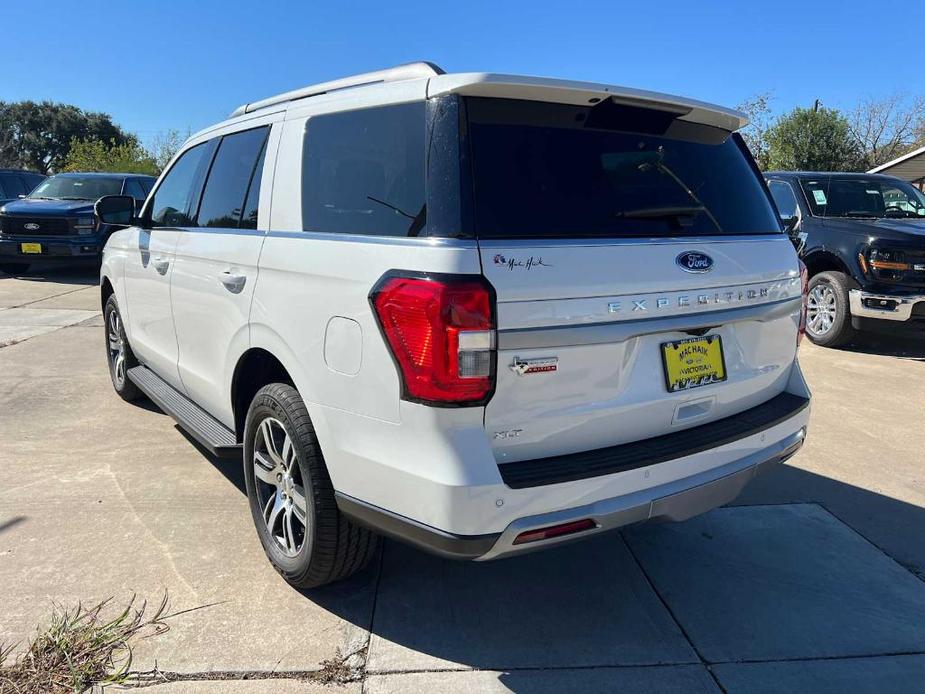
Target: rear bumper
(677, 499)
(893, 307)
(53, 249)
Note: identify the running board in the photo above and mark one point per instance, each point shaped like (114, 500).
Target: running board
(208, 431)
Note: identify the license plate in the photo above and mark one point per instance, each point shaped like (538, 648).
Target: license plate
(30, 247)
(695, 362)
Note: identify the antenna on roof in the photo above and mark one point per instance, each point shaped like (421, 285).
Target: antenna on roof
(399, 73)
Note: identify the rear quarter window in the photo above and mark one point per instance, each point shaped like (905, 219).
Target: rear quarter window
(363, 172)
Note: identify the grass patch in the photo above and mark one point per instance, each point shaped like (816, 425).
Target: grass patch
(80, 647)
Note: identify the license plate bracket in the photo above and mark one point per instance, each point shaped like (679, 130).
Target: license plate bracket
(693, 362)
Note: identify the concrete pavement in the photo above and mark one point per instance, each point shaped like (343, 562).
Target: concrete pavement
(811, 581)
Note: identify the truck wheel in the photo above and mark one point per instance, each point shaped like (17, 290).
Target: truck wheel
(14, 268)
(305, 536)
(119, 354)
(828, 316)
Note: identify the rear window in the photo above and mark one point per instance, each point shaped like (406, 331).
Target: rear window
(555, 170)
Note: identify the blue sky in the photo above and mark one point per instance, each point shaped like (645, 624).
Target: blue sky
(164, 64)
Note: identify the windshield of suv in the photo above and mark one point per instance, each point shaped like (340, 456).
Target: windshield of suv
(863, 198)
(77, 188)
(557, 170)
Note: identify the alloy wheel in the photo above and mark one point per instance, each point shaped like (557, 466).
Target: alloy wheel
(821, 309)
(279, 486)
(116, 347)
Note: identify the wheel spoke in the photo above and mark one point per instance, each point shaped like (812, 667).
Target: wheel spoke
(288, 454)
(266, 428)
(298, 503)
(273, 516)
(288, 537)
(264, 469)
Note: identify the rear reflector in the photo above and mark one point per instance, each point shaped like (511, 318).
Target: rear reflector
(555, 531)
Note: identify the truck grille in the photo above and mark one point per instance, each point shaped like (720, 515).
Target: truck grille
(46, 226)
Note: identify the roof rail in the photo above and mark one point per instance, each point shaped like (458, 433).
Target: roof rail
(408, 71)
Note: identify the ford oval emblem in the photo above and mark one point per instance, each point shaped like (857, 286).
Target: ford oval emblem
(31, 226)
(692, 261)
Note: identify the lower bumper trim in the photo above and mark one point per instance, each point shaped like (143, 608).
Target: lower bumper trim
(896, 307)
(423, 536)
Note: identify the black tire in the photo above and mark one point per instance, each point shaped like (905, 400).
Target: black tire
(332, 547)
(14, 268)
(837, 329)
(114, 328)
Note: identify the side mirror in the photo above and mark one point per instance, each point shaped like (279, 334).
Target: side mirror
(115, 209)
(790, 223)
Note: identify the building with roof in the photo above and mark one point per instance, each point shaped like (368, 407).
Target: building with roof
(909, 167)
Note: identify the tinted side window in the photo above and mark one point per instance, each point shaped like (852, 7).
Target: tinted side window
(147, 184)
(3, 195)
(179, 190)
(133, 188)
(13, 186)
(251, 207)
(363, 172)
(231, 173)
(784, 198)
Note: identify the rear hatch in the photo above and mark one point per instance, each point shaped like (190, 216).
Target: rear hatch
(642, 283)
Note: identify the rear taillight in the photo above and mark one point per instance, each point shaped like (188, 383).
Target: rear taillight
(441, 332)
(804, 288)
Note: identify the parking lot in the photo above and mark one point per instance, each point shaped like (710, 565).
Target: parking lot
(813, 581)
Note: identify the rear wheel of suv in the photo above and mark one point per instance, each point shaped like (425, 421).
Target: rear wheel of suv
(828, 316)
(14, 268)
(303, 533)
(119, 353)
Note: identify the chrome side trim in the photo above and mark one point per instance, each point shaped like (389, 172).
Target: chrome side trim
(603, 333)
(902, 312)
(592, 242)
(377, 240)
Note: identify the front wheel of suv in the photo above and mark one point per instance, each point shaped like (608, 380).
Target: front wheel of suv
(119, 354)
(828, 315)
(305, 536)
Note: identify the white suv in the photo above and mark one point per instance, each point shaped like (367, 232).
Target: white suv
(479, 313)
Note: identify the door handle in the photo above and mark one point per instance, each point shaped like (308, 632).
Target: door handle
(161, 264)
(233, 283)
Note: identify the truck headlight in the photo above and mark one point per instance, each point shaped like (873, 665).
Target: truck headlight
(85, 225)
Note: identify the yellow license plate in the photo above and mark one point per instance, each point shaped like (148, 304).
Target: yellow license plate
(694, 362)
(30, 247)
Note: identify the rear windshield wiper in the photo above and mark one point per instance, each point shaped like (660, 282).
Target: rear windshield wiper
(662, 212)
(660, 165)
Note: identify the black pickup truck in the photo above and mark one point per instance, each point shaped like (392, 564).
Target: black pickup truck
(862, 237)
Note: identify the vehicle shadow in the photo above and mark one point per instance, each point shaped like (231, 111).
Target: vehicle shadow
(902, 347)
(588, 605)
(84, 274)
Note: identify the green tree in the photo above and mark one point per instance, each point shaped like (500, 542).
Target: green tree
(96, 155)
(813, 139)
(38, 136)
(165, 144)
(755, 134)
